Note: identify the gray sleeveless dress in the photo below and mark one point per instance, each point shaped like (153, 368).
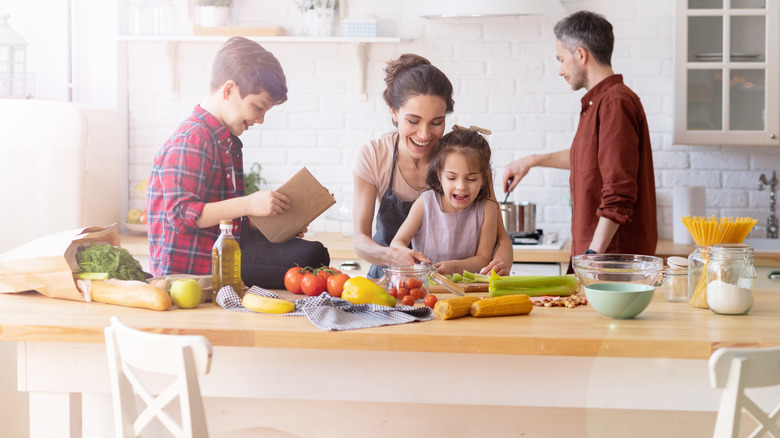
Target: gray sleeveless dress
(448, 236)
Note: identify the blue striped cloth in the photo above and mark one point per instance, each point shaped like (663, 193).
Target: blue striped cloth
(331, 313)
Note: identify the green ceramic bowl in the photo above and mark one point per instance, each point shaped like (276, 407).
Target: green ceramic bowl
(619, 300)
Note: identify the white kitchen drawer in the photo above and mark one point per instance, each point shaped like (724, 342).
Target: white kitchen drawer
(528, 268)
(763, 281)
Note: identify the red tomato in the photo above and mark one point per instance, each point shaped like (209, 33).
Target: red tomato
(408, 300)
(393, 292)
(412, 283)
(312, 284)
(430, 300)
(293, 278)
(142, 218)
(402, 292)
(335, 284)
(416, 293)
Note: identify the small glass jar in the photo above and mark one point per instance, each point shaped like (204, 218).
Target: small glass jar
(407, 280)
(730, 276)
(676, 285)
(697, 275)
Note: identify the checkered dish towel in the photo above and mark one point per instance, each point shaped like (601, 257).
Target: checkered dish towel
(330, 313)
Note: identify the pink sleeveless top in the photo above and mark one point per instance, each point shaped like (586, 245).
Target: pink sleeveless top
(448, 236)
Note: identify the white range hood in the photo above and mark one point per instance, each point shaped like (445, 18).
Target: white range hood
(490, 8)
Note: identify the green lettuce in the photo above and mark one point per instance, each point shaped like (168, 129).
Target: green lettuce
(114, 261)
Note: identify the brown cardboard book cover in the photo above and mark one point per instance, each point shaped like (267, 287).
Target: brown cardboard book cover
(308, 200)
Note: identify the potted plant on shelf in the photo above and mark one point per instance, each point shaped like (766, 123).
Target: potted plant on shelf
(214, 12)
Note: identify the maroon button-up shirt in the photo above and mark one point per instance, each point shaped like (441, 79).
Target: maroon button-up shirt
(612, 171)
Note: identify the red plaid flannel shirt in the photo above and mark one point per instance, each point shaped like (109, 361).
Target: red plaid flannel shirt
(196, 166)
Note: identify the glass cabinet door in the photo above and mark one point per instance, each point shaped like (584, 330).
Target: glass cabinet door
(726, 61)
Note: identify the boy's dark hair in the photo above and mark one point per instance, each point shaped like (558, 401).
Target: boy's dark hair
(472, 145)
(589, 30)
(413, 75)
(253, 69)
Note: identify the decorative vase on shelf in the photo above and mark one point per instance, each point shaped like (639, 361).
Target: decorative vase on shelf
(214, 12)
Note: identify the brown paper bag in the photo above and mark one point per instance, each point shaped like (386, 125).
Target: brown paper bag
(308, 199)
(47, 264)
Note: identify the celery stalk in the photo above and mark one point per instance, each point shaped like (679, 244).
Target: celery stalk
(471, 277)
(533, 285)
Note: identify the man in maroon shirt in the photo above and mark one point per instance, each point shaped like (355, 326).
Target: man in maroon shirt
(612, 182)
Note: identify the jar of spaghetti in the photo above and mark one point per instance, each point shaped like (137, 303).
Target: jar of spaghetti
(730, 276)
(697, 276)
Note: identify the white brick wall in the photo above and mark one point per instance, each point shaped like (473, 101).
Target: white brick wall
(505, 77)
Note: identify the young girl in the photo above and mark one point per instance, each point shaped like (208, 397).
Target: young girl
(454, 223)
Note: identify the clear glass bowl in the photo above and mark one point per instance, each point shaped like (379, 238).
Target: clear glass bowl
(618, 268)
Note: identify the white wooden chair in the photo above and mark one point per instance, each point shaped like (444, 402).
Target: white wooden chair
(185, 357)
(734, 370)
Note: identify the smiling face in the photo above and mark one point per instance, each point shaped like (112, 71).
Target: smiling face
(570, 67)
(241, 113)
(420, 124)
(460, 182)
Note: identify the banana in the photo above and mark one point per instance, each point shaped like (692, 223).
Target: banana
(267, 305)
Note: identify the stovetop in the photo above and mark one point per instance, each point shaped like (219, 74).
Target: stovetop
(536, 240)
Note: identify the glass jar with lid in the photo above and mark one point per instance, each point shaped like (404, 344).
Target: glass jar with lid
(730, 277)
(697, 275)
(407, 280)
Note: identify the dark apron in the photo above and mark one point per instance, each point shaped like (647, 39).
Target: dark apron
(392, 213)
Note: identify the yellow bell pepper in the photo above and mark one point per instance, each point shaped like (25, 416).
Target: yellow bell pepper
(361, 290)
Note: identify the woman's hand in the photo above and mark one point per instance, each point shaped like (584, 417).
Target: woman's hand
(496, 265)
(405, 257)
(267, 203)
(302, 232)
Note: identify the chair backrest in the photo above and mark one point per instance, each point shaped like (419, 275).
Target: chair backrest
(184, 357)
(735, 369)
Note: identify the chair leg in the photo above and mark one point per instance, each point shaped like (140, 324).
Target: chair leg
(730, 410)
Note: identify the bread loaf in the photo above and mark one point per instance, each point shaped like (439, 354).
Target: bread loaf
(126, 293)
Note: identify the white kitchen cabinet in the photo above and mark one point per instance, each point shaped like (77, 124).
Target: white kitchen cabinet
(726, 72)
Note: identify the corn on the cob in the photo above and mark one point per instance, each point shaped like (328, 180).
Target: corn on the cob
(263, 304)
(454, 307)
(502, 306)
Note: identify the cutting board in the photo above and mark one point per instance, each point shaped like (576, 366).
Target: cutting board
(467, 287)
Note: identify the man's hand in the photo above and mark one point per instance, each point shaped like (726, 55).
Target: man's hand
(515, 171)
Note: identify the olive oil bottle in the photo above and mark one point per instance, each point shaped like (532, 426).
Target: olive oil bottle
(225, 261)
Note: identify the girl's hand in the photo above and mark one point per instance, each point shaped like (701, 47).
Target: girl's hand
(267, 203)
(445, 267)
(405, 257)
(496, 265)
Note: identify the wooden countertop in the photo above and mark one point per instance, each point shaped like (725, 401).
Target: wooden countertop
(340, 247)
(663, 330)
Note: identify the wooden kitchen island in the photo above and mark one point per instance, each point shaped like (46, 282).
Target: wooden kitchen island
(556, 372)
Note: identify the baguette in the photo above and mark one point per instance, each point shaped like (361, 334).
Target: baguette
(128, 293)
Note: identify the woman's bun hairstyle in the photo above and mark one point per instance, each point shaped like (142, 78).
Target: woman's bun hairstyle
(413, 75)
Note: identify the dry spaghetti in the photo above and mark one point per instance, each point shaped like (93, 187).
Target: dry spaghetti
(711, 231)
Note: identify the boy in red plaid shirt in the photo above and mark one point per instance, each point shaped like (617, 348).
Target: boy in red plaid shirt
(198, 177)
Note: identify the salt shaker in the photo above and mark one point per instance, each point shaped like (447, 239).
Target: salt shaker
(730, 276)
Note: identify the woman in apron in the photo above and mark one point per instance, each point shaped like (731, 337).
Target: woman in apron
(391, 170)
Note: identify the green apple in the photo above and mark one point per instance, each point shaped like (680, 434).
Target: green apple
(134, 216)
(185, 293)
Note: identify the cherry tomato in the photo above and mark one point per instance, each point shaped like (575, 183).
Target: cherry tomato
(408, 300)
(430, 300)
(416, 293)
(293, 278)
(312, 284)
(335, 284)
(402, 292)
(412, 283)
(393, 292)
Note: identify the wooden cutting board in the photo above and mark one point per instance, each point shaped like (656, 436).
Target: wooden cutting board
(467, 287)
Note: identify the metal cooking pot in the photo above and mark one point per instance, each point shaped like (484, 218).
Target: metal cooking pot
(519, 217)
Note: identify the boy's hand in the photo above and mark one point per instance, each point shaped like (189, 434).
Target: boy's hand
(267, 203)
